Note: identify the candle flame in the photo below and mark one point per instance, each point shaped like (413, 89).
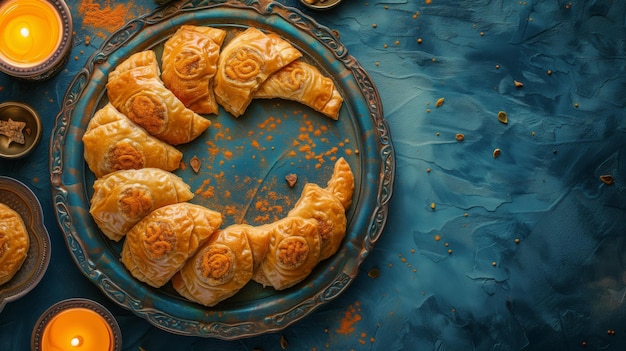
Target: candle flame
(24, 31)
(76, 341)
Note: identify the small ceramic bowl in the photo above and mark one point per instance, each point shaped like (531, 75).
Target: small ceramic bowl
(320, 4)
(16, 115)
(22, 200)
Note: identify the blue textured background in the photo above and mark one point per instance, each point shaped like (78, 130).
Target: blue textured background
(562, 286)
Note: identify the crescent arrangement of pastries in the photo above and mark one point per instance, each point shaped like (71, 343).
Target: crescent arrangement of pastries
(279, 254)
(14, 243)
(129, 145)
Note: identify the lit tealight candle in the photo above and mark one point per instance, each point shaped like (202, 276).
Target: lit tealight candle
(31, 31)
(77, 328)
(34, 36)
(77, 325)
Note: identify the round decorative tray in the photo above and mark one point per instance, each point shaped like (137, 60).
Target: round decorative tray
(244, 164)
(22, 200)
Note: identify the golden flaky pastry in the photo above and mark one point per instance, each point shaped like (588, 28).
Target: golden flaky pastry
(112, 143)
(245, 63)
(14, 243)
(135, 89)
(123, 198)
(189, 64)
(341, 183)
(302, 82)
(293, 251)
(322, 206)
(220, 268)
(158, 246)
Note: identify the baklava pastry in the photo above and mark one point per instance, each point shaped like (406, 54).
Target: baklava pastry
(322, 206)
(293, 252)
(136, 90)
(189, 64)
(123, 198)
(220, 268)
(258, 238)
(14, 243)
(303, 83)
(158, 246)
(341, 183)
(245, 63)
(112, 143)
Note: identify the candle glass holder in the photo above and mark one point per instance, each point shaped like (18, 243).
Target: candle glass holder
(33, 47)
(79, 324)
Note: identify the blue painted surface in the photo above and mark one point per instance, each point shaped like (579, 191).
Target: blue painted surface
(561, 286)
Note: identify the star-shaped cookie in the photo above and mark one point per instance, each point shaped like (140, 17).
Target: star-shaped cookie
(12, 130)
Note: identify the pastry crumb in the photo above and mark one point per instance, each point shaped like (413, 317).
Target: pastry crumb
(195, 164)
(291, 179)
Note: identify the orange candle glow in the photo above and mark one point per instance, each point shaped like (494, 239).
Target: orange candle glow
(30, 32)
(77, 329)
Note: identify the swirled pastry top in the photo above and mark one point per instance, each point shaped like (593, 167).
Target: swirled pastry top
(14, 243)
(293, 251)
(158, 246)
(219, 269)
(189, 64)
(123, 198)
(112, 143)
(245, 63)
(135, 89)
